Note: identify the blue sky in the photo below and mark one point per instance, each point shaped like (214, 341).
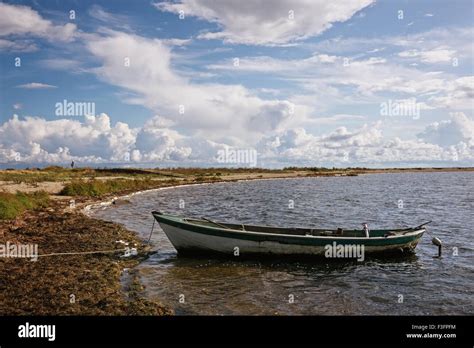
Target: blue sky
(298, 82)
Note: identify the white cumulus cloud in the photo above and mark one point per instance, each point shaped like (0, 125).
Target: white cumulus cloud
(368, 146)
(458, 129)
(23, 20)
(96, 140)
(260, 23)
(143, 66)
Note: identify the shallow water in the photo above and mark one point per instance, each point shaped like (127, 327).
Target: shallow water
(416, 284)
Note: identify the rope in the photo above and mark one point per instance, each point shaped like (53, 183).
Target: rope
(151, 232)
(84, 252)
(111, 251)
(428, 233)
(426, 230)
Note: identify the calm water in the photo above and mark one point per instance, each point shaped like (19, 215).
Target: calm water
(415, 284)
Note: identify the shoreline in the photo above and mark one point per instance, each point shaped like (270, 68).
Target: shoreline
(109, 201)
(54, 187)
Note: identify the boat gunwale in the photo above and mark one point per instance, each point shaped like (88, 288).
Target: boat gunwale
(181, 220)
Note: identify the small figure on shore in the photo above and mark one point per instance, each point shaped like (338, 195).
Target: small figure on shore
(366, 229)
(72, 165)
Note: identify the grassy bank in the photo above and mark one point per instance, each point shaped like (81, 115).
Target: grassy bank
(99, 188)
(12, 205)
(34, 176)
(60, 174)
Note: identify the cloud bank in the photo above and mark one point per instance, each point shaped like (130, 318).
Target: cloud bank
(95, 140)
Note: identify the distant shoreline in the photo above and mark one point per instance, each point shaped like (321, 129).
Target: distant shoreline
(53, 180)
(37, 166)
(87, 207)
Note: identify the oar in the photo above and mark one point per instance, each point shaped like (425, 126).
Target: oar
(408, 230)
(215, 223)
(420, 226)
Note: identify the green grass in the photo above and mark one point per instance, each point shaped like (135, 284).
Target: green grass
(56, 173)
(33, 176)
(11, 205)
(98, 188)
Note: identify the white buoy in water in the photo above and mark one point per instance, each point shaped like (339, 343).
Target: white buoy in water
(437, 241)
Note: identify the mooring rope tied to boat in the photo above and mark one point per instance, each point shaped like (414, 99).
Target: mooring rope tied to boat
(151, 232)
(85, 252)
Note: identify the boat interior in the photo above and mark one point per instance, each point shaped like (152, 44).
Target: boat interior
(339, 232)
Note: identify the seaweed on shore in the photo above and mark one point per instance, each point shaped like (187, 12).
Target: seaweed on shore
(70, 284)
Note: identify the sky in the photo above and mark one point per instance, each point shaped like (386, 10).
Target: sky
(230, 83)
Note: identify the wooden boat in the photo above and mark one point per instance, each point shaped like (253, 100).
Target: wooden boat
(203, 236)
